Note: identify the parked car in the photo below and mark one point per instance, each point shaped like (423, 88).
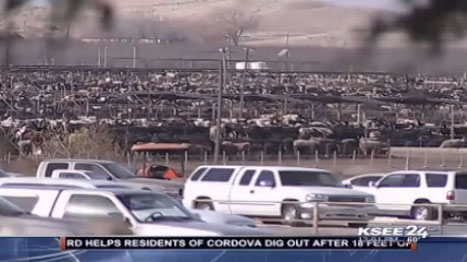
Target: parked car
(80, 174)
(262, 190)
(210, 217)
(114, 170)
(145, 213)
(403, 189)
(65, 182)
(3, 173)
(362, 180)
(213, 217)
(13, 174)
(18, 222)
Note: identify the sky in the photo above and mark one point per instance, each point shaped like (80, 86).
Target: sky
(379, 4)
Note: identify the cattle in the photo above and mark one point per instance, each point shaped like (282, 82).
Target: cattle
(348, 146)
(309, 146)
(233, 149)
(368, 146)
(213, 132)
(454, 143)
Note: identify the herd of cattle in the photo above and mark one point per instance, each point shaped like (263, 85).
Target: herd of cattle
(325, 138)
(37, 105)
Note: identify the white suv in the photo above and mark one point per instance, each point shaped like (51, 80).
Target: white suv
(396, 192)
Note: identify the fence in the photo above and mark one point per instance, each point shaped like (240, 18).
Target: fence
(399, 158)
(396, 159)
(318, 207)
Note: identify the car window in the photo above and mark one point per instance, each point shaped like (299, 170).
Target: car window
(364, 181)
(54, 166)
(307, 178)
(246, 177)
(97, 175)
(265, 178)
(197, 174)
(401, 180)
(88, 206)
(436, 180)
(71, 175)
(90, 167)
(27, 203)
(119, 171)
(9, 209)
(218, 175)
(461, 181)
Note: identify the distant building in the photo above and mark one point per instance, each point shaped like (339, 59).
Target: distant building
(251, 66)
(122, 40)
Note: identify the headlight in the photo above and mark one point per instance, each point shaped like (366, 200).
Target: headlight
(370, 199)
(316, 197)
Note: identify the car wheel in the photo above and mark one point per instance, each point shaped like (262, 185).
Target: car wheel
(357, 225)
(423, 213)
(204, 205)
(290, 213)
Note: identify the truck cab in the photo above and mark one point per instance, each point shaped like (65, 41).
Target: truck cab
(114, 171)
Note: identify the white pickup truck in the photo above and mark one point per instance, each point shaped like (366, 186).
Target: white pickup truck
(144, 213)
(271, 191)
(112, 170)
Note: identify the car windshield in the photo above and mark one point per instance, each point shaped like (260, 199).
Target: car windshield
(308, 178)
(119, 171)
(97, 176)
(149, 208)
(9, 209)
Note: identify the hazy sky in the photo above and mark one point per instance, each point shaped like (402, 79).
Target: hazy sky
(384, 4)
(380, 4)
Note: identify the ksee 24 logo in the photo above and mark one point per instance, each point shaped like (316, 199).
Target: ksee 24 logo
(403, 231)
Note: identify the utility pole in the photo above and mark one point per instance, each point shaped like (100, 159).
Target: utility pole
(99, 57)
(242, 88)
(134, 56)
(106, 50)
(287, 55)
(229, 52)
(219, 107)
(452, 122)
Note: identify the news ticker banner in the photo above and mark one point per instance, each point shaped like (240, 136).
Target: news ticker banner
(431, 249)
(234, 243)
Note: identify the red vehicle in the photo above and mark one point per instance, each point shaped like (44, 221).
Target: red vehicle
(159, 172)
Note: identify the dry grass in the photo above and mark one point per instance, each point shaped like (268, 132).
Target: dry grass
(96, 142)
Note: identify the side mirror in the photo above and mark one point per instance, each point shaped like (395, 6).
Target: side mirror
(372, 184)
(347, 185)
(127, 220)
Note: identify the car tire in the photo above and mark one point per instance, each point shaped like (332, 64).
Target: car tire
(204, 205)
(423, 213)
(290, 213)
(357, 225)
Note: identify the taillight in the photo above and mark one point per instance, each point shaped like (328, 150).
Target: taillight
(450, 195)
